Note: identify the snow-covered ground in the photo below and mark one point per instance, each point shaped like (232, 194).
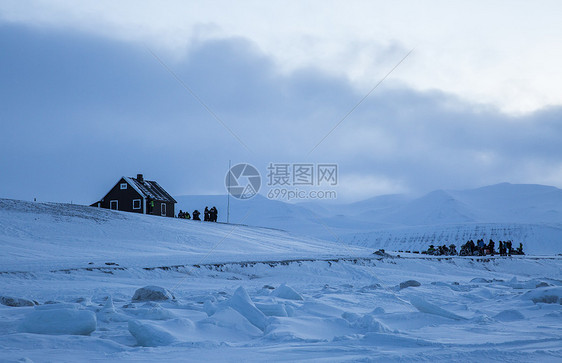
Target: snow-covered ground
(237, 293)
(49, 236)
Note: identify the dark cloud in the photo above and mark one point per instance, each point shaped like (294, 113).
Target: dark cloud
(79, 111)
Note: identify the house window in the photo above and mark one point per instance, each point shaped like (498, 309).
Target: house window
(113, 204)
(163, 209)
(136, 204)
(123, 186)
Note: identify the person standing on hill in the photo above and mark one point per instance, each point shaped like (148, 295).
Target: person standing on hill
(206, 214)
(213, 214)
(196, 214)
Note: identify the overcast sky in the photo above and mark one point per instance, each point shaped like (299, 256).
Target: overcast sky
(87, 93)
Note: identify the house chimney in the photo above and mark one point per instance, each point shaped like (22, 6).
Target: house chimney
(140, 178)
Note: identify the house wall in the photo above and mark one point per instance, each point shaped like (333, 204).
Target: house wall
(170, 212)
(125, 198)
(170, 209)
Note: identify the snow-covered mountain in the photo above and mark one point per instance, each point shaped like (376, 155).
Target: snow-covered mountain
(510, 203)
(531, 214)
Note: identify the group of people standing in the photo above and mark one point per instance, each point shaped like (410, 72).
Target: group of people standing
(209, 215)
(480, 248)
(441, 250)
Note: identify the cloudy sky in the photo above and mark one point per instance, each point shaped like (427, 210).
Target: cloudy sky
(93, 90)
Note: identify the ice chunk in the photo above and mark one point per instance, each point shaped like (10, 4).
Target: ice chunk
(109, 307)
(480, 280)
(152, 311)
(241, 302)
(429, 308)
(483, 319)
(108, 313)
(351, 317)
(509, 315)
(152, 293)
(59, 321)
(290, 310)
(59, 306)
(367, 323)
(307, 329)
(210, 307)
(15, 301)
(320, 309)
(409, 283)
(548, 295)
(233, 321)
(272, 309)
(83, 301)
(286, 292)
(150, 335)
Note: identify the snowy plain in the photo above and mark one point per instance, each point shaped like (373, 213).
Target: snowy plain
(239, 293)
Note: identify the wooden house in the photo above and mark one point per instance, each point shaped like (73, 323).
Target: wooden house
(138, 195)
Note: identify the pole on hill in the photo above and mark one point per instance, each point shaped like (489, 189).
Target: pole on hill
(228, 196)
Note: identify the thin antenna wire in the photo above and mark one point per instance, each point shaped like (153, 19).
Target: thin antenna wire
(360, 101)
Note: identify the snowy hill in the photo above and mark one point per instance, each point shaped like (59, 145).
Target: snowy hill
(52, 236)
(531, 214)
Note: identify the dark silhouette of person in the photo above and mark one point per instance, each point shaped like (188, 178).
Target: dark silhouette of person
(213, 214)
(508, 247)
(491, 245)
(452, 249)
(196, 214)
(206, 217)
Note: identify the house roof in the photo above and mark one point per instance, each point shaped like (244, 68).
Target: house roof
(150, 188)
